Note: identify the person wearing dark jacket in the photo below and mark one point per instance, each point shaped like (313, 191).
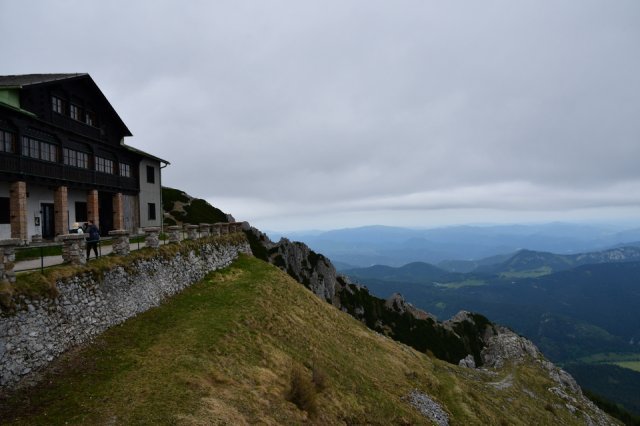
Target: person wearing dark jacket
(92, 239)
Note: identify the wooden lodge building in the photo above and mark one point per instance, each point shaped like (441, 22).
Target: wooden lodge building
(63, 160)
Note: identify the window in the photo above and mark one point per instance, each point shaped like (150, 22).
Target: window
(151, 174)
(47, 152)
(83, 160)
(81, 211)
(125, 170)
(30, 147)
(90, 118)
(152, 211)
(57, 105)
(37, 149)
(7, 141)
(75, 158)
(104, 165)
(74, 111)
(5, 216)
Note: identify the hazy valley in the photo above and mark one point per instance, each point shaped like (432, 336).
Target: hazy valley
(579, 308)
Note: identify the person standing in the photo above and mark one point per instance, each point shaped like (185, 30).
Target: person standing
(93, 239)
(75, 229)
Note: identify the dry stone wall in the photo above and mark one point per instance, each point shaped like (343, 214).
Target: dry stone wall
(86, 306)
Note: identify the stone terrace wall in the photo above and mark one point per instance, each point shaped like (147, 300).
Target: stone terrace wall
(43, 329)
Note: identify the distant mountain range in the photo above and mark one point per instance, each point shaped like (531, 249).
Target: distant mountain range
(466, 245)
(522, 264)
(574, 307)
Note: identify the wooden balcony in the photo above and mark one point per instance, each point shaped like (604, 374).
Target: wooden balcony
(14, 166)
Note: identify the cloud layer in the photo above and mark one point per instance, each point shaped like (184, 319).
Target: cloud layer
(374, 110)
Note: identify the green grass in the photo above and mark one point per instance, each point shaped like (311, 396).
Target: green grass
(37, 252)
(609, 358)
(465, 283)
(631, 365)
(222, 352)
(532, 273)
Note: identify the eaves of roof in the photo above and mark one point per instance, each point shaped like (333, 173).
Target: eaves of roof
(20, 110)
(144, 154)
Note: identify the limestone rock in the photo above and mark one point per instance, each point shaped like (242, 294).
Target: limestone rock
(397, 303)
(505, 345)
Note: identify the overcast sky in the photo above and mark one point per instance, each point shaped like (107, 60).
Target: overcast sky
(329, 114)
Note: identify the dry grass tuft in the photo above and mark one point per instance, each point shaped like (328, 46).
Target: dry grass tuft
(319, 378)
(302, 390)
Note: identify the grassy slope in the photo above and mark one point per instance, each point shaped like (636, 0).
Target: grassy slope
(222, 351)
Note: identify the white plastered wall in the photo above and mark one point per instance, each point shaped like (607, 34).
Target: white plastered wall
(36, 195)
(150, 193)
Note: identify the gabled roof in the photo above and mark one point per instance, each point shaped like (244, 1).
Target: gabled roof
(18, 81)
(25, 80)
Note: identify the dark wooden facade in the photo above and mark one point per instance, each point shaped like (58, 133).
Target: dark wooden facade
(84, 122)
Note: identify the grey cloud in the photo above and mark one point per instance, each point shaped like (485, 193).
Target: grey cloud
(349, 105)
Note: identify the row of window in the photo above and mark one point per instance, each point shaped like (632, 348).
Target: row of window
(46, 151)
(75, 158)
(75, 112)
(38, 149)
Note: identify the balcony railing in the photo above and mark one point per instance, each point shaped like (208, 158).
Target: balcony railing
(14, 164)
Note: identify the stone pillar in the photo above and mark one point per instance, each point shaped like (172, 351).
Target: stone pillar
(174, 233)
(224, 228)
(74, 248)
(18, 210)
(61, 210)
(8, 257)
(92, 207)
(118, 211)
(192, 231)
(205, 230)
(152, 236)
(215, 229)
(120, 241)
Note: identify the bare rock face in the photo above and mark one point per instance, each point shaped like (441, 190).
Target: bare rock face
(504, 346)
(397, 303)
(468, 362)
(313, 270)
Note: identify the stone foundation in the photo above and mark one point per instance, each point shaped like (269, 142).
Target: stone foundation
(120, 241)
(174, 233)
(152, 237)
(192, 231)
(8, 258)
(73, 251)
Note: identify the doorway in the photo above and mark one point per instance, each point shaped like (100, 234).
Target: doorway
(105, 212)
(48, 221)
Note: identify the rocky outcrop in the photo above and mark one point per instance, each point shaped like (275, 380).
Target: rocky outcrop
(397, 303)
(506, 346)
(307, 267)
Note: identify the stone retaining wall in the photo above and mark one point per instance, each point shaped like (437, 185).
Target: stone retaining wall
(43, 329)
